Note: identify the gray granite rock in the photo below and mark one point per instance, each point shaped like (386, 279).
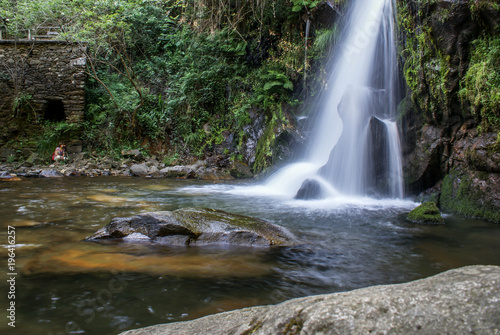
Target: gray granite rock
(460, 301)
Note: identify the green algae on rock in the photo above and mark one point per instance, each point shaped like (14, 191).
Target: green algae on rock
(427, 213)
(196, 226)
(474, 194)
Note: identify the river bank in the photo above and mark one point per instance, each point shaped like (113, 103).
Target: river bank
(132, 164)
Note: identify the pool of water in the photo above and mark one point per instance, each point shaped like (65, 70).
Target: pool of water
(65, 285)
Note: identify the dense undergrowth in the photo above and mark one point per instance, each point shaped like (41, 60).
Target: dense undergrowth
(178, 78)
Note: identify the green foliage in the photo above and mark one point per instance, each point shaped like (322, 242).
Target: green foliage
(298, 5)
(324, 40)
(21, 102)
(171, 159)
(11, 159)
(175, 72)
(265, 146)
(481, 84)
(276, 82)
(308, 5)
(477, 5)
(106, 126)
(426, 68)
(52, 134)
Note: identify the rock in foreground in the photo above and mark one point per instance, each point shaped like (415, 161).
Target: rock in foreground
(196, 226)
(460, 301)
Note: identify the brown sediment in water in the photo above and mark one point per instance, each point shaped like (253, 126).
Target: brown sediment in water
(84, 260)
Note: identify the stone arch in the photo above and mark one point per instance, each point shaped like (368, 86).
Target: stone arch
(54, 111)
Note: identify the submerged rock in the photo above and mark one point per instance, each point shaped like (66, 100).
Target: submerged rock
(82, 258)
(460, 301)
(197, 226)
(310, 190)
(428, 212)
(50, 173)
(5, 176)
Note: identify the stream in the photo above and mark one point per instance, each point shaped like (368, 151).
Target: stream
(65, 285)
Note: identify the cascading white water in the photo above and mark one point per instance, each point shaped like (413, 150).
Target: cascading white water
(395, 164)
(356, 145)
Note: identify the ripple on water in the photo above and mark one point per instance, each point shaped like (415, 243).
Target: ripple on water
(347, 243)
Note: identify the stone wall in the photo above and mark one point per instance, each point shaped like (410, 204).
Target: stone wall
(46, 78)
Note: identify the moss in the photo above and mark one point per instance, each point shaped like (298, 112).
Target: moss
(426, 72)
(264, 154)
(199, 219)
(478, 5)
(459, 195)
(480, 87)
(428, 212)
(294, 326)
(427, 68)
(254, 328)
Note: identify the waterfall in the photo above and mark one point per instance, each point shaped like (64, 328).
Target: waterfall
(355, 148)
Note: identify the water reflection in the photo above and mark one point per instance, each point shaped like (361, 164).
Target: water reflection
(66, 283)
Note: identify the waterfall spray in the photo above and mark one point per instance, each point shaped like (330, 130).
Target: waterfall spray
(355, 149)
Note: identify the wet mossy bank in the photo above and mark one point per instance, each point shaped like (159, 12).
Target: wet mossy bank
(450, 111)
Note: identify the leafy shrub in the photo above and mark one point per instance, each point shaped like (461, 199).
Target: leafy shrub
(53, 133)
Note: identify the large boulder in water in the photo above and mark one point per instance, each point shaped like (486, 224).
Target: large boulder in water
(310, 190)
(196, 226)
(460, 301)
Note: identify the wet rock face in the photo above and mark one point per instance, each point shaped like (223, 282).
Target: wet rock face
(426, 164)
(195, 226)
(240, 170)
(460, 301)
(468, 162)
(438, 41)
(439, 131)
(472, 194)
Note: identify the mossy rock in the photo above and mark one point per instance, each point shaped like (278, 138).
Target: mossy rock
(472, 194)
(240, 170)
(196, 226)
(427, 213)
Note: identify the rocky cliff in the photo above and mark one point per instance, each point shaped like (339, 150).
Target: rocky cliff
(450, 51)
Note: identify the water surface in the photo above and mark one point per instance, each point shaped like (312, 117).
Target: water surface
(66, 285)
